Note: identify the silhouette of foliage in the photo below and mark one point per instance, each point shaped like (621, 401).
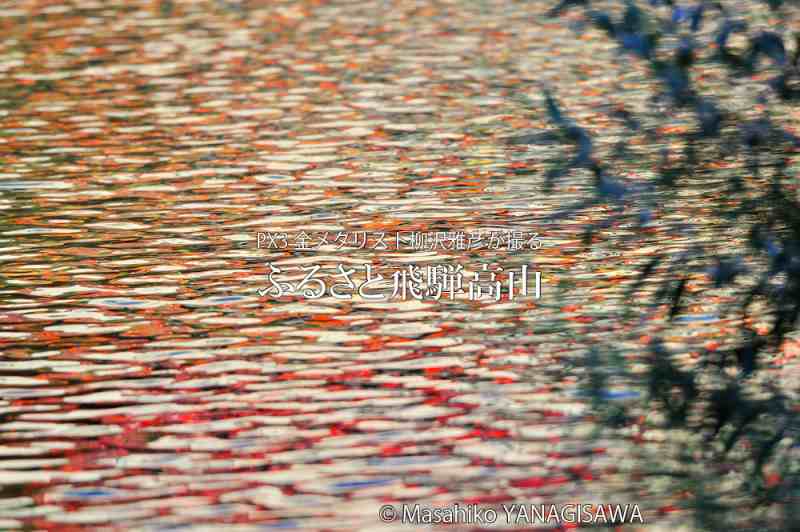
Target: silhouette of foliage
(735, 418)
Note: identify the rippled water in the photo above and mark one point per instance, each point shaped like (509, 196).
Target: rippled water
(146, 384)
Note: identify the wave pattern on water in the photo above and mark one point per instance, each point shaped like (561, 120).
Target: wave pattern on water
(143, 380)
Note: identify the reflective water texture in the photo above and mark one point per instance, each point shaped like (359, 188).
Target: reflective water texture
(145, 383)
